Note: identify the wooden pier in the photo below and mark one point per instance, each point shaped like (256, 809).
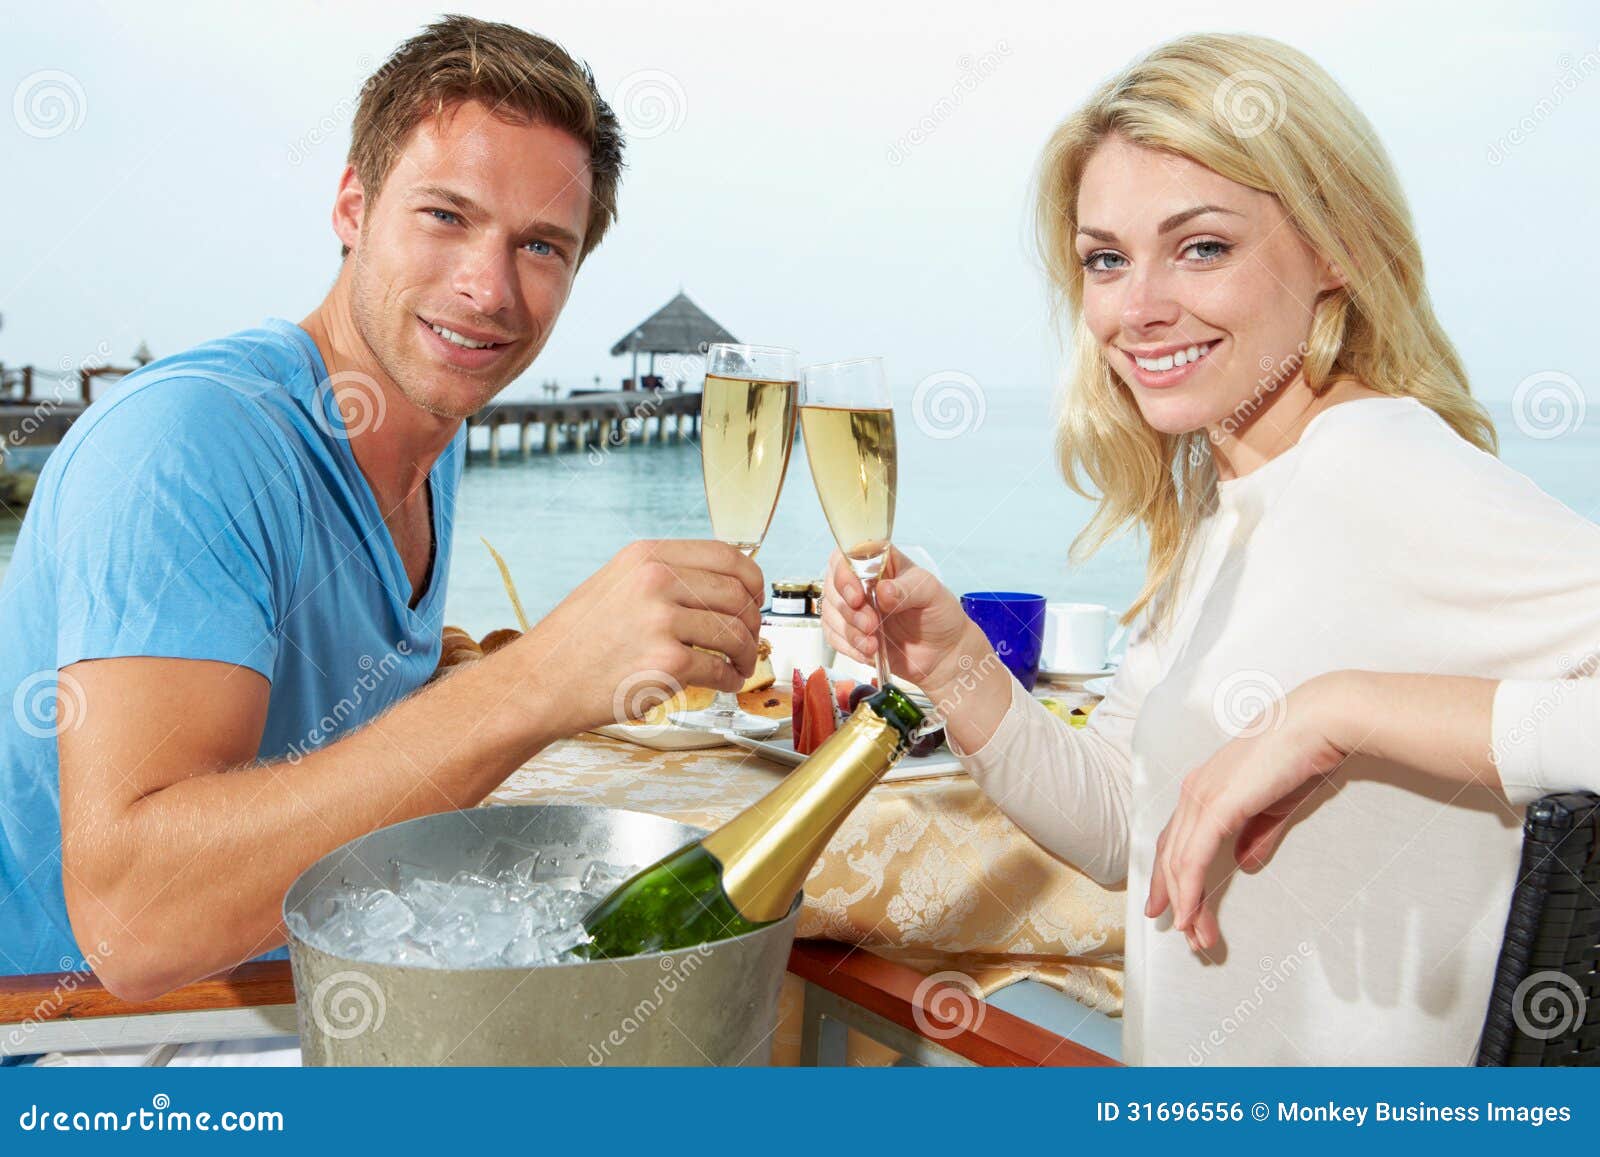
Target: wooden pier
(580, 422)
(596, 419)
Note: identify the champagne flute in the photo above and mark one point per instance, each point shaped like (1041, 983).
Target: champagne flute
(847, 421)
(746, 432)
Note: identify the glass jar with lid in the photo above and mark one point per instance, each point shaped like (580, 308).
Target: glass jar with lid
(792, 624)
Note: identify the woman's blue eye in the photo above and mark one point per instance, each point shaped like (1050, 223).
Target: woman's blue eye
(1216, 249)
(1090, 262)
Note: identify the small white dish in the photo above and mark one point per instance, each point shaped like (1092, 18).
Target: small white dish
(1098, 686)
(1079, 676)
(936, 766)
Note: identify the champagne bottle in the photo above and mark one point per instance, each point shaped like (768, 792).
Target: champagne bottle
(748, 872)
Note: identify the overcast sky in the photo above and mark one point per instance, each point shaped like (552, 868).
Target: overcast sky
(183, 190)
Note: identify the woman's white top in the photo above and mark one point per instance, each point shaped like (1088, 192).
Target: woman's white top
(1380, 541)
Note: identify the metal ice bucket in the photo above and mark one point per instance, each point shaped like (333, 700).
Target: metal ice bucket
(712, 1005)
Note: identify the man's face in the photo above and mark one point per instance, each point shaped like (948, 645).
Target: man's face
(477, 231)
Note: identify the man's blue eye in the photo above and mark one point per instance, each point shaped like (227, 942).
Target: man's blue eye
(442, 215)
(542, 248)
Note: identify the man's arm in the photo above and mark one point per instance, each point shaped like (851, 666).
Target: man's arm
(177, 848)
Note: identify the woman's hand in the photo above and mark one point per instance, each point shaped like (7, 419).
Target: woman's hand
(923, 623)
(1249, 791)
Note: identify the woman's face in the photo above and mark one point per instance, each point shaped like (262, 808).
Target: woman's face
(1181, 264)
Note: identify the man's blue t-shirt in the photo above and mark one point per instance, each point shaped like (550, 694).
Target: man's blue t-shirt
(210, 507)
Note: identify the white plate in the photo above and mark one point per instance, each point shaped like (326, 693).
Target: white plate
(936, 766)
(1098, 686)
(669, 737)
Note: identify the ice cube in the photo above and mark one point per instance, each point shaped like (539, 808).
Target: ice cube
(381, 915)
(428, 898)
(566, 939)
(602, 878)
(526, 951)
(404, 875)
(504, 855)
(446, 930)
(496, 930)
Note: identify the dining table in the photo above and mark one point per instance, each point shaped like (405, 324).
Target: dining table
(928, 872)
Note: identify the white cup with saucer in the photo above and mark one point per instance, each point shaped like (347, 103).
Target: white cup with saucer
(1076, 638)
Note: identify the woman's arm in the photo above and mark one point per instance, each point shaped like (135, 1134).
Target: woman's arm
(1518, 738)
(1068, 789)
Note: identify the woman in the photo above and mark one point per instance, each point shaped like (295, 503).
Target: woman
(1347, 657)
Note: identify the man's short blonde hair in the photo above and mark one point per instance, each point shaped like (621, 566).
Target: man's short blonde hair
(522, 76)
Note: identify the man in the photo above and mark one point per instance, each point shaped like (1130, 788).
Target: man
(245, 535)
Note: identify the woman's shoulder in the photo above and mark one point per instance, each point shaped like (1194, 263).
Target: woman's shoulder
(1395, 454)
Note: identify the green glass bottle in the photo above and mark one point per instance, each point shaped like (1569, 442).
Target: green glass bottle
(748, 872)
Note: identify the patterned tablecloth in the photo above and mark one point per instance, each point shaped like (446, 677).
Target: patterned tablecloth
(927, 872)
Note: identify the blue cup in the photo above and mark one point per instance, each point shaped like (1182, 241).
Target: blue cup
(1014, 625)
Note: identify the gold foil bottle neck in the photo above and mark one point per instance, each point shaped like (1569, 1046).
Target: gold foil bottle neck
(767, 850)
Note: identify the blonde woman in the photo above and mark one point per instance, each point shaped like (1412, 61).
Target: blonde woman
(1346, 673)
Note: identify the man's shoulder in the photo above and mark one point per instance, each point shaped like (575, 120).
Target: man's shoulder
(236, 394)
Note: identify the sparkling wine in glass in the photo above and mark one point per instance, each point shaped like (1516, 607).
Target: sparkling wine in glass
(847, 421)
(747, 409)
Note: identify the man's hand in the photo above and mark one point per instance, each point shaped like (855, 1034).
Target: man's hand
(655, 619)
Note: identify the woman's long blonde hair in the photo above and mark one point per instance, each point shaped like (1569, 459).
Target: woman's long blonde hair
(1264, 115)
